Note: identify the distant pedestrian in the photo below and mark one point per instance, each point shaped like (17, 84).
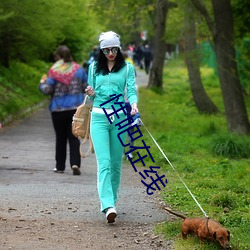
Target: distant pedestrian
(93, 56)
(138, 56)
(111, 76)
(65, 84)
(128, 59)
(147, 55)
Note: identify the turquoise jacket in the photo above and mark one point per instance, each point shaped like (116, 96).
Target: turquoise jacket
(114, 83)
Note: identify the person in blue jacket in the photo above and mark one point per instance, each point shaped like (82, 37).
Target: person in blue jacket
(109, 76)
(65, 83)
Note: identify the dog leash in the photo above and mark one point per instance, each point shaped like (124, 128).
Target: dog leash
(174, 170)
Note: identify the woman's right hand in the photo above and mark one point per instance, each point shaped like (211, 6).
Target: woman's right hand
(134, 109)
(90, 91)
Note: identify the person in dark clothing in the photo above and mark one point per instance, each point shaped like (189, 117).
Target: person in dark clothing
(93, 55)
(147, 55)
(138, 56)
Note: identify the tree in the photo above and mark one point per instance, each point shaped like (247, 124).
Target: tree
(241, 17)
(159, 44)
(28, 33)
(242, 33)
(201, 99)
(128, 17)
(223, 38)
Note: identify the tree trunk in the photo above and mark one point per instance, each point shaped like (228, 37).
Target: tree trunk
(223, 38)
(159, 46)
(201, 99)
(235, 109)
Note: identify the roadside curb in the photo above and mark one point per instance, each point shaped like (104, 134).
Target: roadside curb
(12, 118)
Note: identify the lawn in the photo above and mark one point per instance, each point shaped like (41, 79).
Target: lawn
(214, 164)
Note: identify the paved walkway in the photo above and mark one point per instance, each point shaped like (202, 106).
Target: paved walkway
(141, 78)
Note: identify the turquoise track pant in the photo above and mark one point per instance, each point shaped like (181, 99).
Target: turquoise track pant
(108, 151)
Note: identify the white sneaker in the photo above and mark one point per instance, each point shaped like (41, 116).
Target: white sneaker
(76, 170)
(58, 171)
(111, 214)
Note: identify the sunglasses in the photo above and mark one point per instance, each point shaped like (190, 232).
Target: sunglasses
(106, 51)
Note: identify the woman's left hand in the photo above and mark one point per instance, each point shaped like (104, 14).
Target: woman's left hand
(134, 109)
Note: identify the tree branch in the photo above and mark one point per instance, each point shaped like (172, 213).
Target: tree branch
(202, 9)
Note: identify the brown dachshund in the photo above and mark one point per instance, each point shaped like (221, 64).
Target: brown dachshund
(204, 229)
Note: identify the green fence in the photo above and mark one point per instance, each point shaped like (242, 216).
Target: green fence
(208, 58)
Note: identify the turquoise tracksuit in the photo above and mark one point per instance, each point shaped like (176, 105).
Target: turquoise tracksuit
(108, 149)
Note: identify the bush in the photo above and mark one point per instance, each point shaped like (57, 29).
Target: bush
(231, 146)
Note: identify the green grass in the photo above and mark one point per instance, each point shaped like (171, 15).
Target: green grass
(214, 164)
(19, 88)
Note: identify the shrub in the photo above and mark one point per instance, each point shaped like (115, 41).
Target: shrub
(231, 146)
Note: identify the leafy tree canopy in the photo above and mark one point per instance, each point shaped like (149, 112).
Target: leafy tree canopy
(33, 32)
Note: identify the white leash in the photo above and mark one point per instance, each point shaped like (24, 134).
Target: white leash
(174, 170)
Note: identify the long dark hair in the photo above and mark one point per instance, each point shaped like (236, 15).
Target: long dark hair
(101, 63)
